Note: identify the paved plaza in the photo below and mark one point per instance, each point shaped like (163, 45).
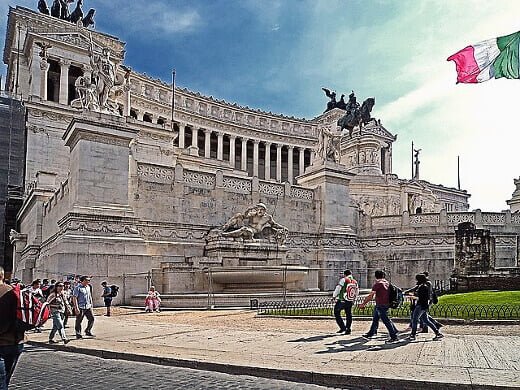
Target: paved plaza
(308, 351)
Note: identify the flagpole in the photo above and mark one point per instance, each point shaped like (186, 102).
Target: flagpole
(458, 172)
(412, 161)
(173, 94)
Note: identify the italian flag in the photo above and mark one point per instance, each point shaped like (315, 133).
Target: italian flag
(493, 58)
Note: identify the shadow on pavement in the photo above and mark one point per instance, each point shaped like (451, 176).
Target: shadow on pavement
(311, 339)
(359, 344)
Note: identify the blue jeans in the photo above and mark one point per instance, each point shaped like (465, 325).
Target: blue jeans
(381, 312)
(421, 315)
(347, 306)
(57, 326)
(9, 355)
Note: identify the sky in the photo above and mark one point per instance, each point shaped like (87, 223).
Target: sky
(276, 55)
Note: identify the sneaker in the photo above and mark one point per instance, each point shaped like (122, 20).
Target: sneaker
(66, 341)
(391, 340)
(89, 334)
(348, 331)
(411, 337)
(424, 330)
(78, 336)
(367, 336)
(53, 342)
(438, 336)
(407, 329)
(341, 331)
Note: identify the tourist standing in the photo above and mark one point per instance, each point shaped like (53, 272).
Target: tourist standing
(421, 308)
(152, 301)
(82, 298)
(345, 294)
(382, 297)
(58, 305)
(11, 339)
(107, 296)
(36, 291)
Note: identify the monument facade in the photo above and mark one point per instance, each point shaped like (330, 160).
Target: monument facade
(116, 184)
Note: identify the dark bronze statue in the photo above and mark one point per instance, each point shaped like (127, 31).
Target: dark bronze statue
(355, 115)
(64, 14)
(341, 104)
(56, 9)
(43, 8)
(77, 14)
(89, 19)
(332, 96)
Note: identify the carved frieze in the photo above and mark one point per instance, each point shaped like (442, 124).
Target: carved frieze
(456, 218)
(99, 227)
(237, 185)
(198, 179)
(154, 173)
(302, 193)
(411, 242)
(493, 218)
(425, 219)
(515, 218)
(271, 189)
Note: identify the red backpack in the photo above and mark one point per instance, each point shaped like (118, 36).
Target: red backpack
(30, 311)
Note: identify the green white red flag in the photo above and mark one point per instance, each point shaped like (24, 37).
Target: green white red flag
(494, 58)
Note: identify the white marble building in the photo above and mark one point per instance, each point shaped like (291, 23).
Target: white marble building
(136, 188)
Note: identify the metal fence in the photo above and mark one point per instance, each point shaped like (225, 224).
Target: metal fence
(325, 307)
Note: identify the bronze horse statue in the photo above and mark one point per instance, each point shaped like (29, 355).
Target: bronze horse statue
(357, 117)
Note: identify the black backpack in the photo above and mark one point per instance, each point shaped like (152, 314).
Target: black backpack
(395, 296)
(114, 290)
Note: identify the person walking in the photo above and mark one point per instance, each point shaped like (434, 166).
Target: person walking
(382, 298)
(421, 308)
(107, 296)
(345, 294)
(82, 298)
(67, 293)
(58, 305)
(11, 338)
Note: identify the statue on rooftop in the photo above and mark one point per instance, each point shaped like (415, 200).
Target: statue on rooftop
(328, 145)
(356, 116)
(43, 8)
(332, 96)
(60, 10)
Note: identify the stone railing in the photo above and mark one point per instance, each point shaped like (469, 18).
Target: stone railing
(244, 185)
(479, 218)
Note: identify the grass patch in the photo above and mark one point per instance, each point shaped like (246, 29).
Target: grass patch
(486, 297)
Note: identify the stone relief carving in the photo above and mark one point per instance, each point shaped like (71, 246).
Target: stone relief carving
(205, 180)
(302, 193)
(456, 218)
(99, 227)
(271, 189)
(493, 218)
(155, 173)
(329, 143)
(424, 219)
(253, 223)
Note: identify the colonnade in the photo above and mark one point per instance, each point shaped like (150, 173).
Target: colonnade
(264, 159)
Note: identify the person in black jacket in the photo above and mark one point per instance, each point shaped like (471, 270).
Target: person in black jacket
(421, 308)
(11, 339)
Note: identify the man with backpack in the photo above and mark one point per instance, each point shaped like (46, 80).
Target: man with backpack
(11, 338)
(107, 296)
(345, 294)
(380, 290)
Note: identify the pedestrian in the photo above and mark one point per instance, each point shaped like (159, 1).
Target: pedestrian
(421, 308)
(412, 292)
(11, 338)
(36, 291)
(107, 296)
(345, 294)
(152, 301)
(82, 298)
(382, 298)
(67, 293)
(58, 305)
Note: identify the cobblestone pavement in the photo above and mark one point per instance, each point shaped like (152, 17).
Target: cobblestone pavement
(40, 368)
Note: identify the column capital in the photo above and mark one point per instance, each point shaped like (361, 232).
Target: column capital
(279, 146)
(44, 65)
(256, 141)
(233, 137)
(65, 63)
(207, 131)
(290, 147)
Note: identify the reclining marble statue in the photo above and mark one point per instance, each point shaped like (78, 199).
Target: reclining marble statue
(254, 223)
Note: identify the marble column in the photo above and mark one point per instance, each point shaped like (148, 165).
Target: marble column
(279, 163)
(243, 162)
(290, 164)
(267, 161)
(301, 161)
(64, 82)
(255, 157)
(182, 128)
(194, 136)
(140, 115)
(44, 67)
(232, 140)
(36, 74)
(220, 146)
(207, 143)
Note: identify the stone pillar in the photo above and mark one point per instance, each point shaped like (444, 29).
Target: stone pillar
(301, 161)
(64, 82)
(36, 74)
(193, 149)
(243, 162)
(255, 157)
(182, 128)
(207, 143)
(267, 161)
(279, 163)
(220, 146)
(290, 164)
(99, 165)
(514, 202)
(140, 115)
(232, 140)
(44, 67)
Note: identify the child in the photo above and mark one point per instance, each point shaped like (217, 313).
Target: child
(153, 301)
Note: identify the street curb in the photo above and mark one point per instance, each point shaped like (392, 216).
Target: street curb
(347, 381)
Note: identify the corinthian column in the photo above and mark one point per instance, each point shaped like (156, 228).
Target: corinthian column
(220, 146)
(64, 82)
(207, 143)
(302, 160)
(232, 140)
(182, 128)
(44, 67)
(244, 155)
(267, 161)
(279, 163)
(290, 164)
(255, 157)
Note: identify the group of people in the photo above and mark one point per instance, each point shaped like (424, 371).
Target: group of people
(421, 296)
